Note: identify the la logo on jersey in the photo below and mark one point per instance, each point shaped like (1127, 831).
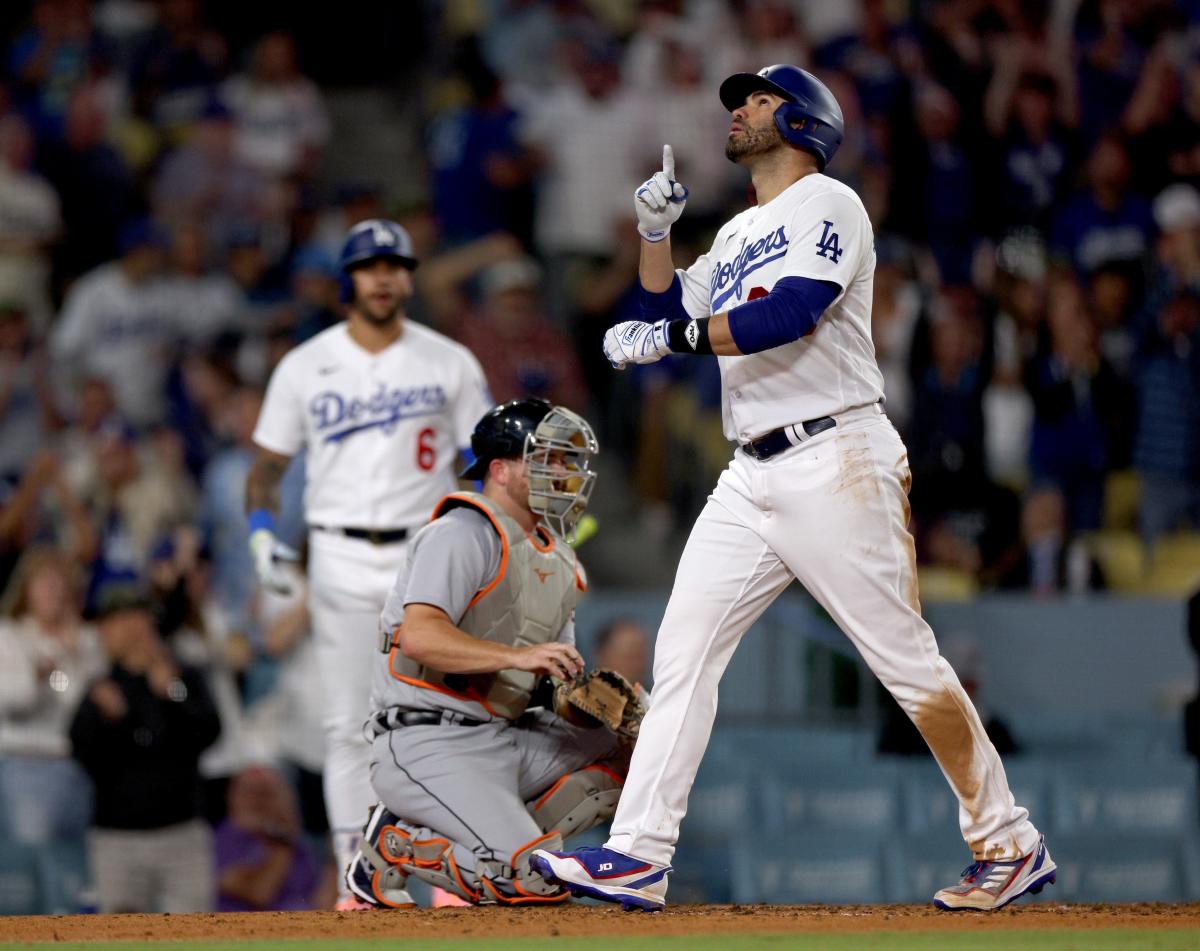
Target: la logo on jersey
(828, 246)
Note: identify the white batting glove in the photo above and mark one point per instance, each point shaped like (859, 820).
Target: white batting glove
(270, 561)
(659, 200)
(636, 341)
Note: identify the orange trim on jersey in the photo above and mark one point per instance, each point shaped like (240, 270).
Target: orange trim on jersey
(471, 696)
(441, 508)
(532, 536)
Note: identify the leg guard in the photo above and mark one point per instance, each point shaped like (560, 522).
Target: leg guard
(515, 883)
(577, 801)
(376, 873)
(397, 850)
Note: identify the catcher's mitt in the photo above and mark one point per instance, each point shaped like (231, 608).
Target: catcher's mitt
(600, 698)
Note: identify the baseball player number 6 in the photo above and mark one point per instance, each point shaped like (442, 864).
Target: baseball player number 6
(426, 450)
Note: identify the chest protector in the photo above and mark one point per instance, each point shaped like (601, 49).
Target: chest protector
(527, 603)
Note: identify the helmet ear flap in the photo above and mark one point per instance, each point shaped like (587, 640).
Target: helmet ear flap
(797, 128)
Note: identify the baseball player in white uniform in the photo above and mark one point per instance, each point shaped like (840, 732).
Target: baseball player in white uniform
(817, 491)
(383, 406)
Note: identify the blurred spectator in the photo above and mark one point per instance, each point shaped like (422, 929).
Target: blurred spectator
(44, 507)
(940, 178)
(1055, 559)
(894, 312)
(278, 114)
(134, 500)
(263, 861)
(113, 326)
(205, 181)
(1105, 224)
(522, 353)
(1081, 410)
(93, 184)
(584, 129)
(48, 657)
(315, 304)
(624, 645)
(200, 632)
(177, 64)
(683, 110)
(51, 57)
(198, 387)
(27, 411)
(30, 220)
(481, 173)
(139, 734)
(1167, 372)
(200, 297)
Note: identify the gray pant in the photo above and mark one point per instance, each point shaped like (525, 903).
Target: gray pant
(154, 870)
(470, 784)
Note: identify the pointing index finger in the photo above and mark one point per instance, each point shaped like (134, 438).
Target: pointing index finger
(669, 163)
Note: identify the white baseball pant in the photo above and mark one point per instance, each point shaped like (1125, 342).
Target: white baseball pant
(349, 580)
(832, 512)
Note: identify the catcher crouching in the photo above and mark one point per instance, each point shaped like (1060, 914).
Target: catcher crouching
(489, 740)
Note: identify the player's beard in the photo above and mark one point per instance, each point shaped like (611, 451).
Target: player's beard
(753, 142)
(372, 315)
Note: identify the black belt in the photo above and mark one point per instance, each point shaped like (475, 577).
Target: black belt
(393, 719)
(776, 441)
(376, 536)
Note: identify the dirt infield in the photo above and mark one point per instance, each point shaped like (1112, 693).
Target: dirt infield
(584, 921)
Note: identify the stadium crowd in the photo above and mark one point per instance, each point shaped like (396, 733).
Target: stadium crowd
(168, 232)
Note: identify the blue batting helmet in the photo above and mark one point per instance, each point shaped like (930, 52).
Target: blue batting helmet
(369, 240)
(809, 103)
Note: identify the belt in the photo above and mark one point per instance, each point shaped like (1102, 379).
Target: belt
(376, 536)
(776, 441)
(393, 718)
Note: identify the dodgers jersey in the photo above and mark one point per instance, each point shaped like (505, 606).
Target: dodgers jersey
(816, 228)
(383, 430)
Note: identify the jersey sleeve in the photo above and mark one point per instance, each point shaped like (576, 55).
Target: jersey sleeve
(696, 282)
(474, 399)
(830, 233)
(281, 420)
(451, 560)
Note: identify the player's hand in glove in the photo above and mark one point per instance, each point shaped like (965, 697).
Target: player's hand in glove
(659, 200)
(636, 341)
(270, 561)
(601, 698)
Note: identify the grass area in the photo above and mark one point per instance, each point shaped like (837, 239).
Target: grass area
(1085, 940)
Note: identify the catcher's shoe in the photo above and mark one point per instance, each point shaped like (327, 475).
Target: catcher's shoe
(607, 875)
(986, 886)
(352, 904)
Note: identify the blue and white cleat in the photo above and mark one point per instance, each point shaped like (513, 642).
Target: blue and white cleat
(605, 874)
(986, 886)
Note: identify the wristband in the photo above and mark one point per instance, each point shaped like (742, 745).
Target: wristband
(261, 518)
(689, 336)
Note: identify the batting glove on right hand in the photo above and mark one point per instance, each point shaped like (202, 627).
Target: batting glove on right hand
(635, 341)
(659, 201)
(270, 561)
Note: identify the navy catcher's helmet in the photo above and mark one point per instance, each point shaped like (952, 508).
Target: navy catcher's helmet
(371, 239)
(809, 103)
(503, 432)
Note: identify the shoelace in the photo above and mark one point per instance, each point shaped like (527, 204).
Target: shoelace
(972, 871)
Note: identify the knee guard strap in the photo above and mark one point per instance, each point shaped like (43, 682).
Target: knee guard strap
(516, 883)
(578, 801)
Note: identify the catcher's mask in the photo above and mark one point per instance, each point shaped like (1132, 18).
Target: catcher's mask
(558, 457)
(557, 446)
